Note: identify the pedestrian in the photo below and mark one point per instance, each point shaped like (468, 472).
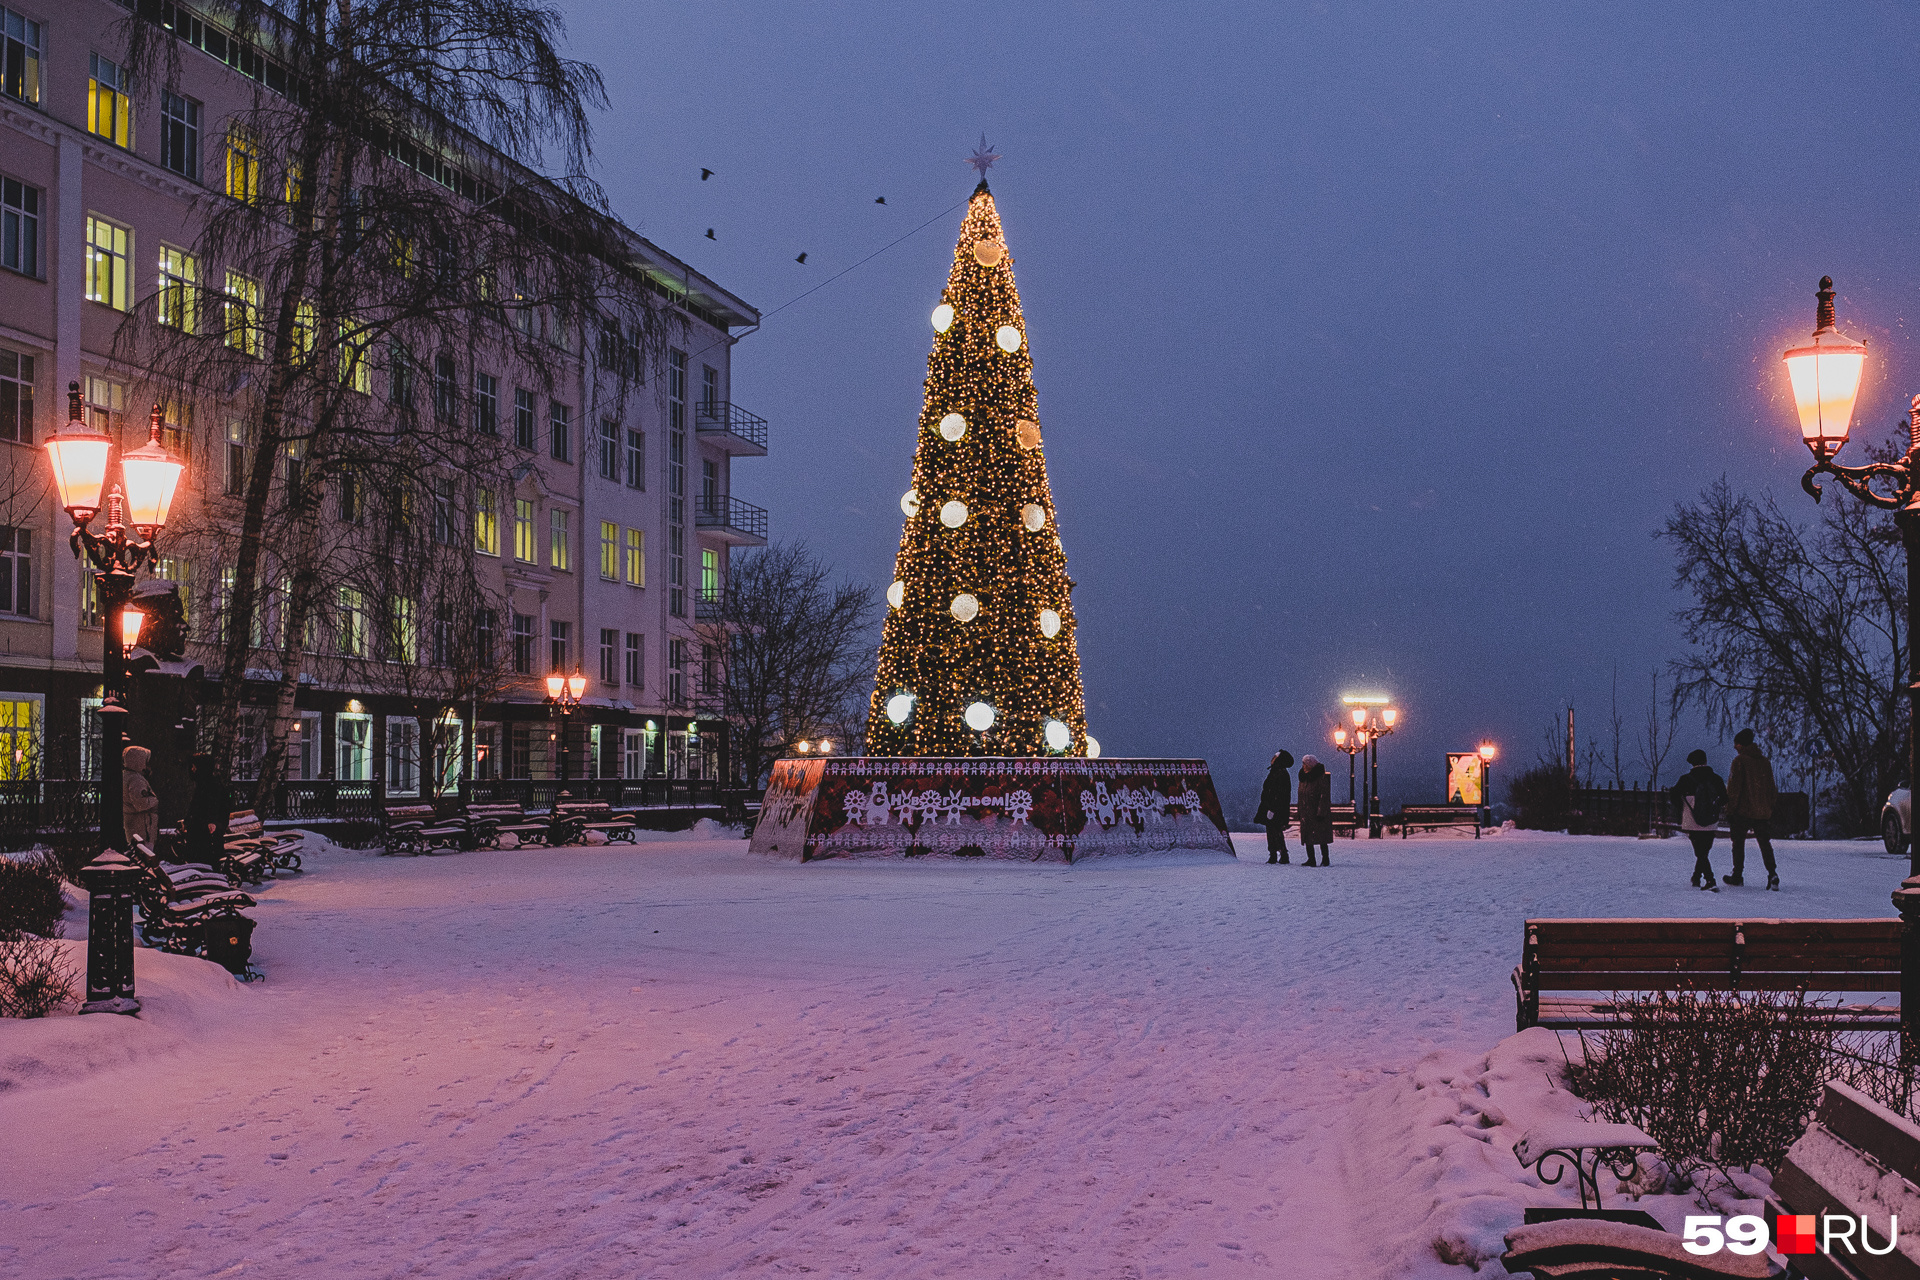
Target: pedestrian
(1316, 810)
(1700, 796)
(1276, 801)
(1751, 794)
(208, 813)
(139, 807)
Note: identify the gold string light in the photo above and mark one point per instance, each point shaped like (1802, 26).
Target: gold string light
(1013, 654)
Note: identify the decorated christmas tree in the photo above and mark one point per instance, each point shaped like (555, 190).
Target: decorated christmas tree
(978, 655)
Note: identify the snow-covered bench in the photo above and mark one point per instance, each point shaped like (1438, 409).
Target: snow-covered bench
(1431, 817)
(1844, 1182)
(416, 829)
(573, 819)
(246, 833)
(1599, 957)
(1586, 1148)
(489, 822)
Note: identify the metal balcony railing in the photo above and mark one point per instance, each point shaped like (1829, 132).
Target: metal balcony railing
(723, 417)
(708, 605)
(724, 513)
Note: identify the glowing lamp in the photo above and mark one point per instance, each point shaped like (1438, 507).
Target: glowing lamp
(953, 426)
(1389, 715)
(554, 685)
(1034, 516)
(79, 459)
(1008, 337)
(942, 318)
(1360, 738)
(899, 707)
(802, 746)
(1027, 433)
(965, 607)
(1826, 378)
(988, 252)
(1488, 751)
(576, 685)
(1093, 747)
(953, 514)
(1049, 623)
(897, 594)
(150, 474)
(826, 745)
(979, 717)
(1359, 716)
(1059, 737)
(130, 620)
(910, 502)
(1339, 737)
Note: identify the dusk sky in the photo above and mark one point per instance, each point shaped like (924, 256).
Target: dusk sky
(1373, 341)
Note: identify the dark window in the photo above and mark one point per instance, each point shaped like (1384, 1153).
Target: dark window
(609, 656)
(636, 660)
(486, 404)
(446, 396)
(609, 449)
(16, 397)
(20, 57)
(523, 432)
(709, 385)
(349, 498)
(560, 637)
(676, 672)
(484, 623)
(560, 431)
(445, 523)
(238, 466)
(636, 459)
(400, 367)
(16, 571)
(443, 634)
(523, 643)
(20, 227)
(180, 135)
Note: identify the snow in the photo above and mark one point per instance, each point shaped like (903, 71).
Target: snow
(675, 1058)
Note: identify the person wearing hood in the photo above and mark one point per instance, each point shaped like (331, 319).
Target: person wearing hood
(139, 807)
(208, 812)
(1751, 793)
(1276, 801)
(1700, 796)
(1316, 810)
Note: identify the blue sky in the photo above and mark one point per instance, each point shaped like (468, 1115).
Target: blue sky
(1373, 341)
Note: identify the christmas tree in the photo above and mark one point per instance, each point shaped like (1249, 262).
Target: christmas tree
(978, 655)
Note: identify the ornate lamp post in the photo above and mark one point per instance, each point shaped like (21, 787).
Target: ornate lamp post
(1353, 744)
(1487, 753)
(136, 511)
(563, 695)
(1375, 717)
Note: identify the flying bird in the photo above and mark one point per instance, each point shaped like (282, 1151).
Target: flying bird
(710, 234)
(802, 259)
(879, 199)
(705, 174)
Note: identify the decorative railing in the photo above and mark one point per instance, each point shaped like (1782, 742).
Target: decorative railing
(724, 417)
(724, 511)
(41, 811)
(710, 605)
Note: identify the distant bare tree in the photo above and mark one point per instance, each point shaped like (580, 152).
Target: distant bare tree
(1657, 731)
(798, 663)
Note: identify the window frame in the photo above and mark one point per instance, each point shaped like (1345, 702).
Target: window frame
(114, 258)
(20, 226)
(109, 101)
(180, 134)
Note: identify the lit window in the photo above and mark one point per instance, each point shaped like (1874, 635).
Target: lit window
(356, 370)
(353, 622)
(560, 540)
(20, 57)
(636, 558)
(20, 736)
(353, 751)
(609, 550)
(19, 226)
(109, 102)
(523, 530)
(241, 314)
(178, 272)
(486, 524)
(108, 247)
(403, 632)
(243, 166)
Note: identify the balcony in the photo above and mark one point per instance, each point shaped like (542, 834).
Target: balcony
(727, 518)
(732, 428)
(709, 605)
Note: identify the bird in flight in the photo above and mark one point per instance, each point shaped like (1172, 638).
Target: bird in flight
(802, 259)
(710, 234)
(705, 174)
(879, 199)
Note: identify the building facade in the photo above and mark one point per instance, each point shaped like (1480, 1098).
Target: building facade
(611, 545)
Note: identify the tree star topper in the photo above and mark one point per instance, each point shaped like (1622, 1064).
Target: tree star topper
(983, 157)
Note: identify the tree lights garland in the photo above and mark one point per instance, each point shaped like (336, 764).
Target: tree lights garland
(978, 654)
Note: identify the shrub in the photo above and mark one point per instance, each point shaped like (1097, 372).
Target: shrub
(35, 976)
(1543, 797)
(30, 897)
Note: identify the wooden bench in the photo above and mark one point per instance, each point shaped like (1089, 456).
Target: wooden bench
(1856, 1160)
(416, 829)
(245, 828)
(488, 822)
(1606, 956)
(1431, 817)
(573, 819)
(1345, 822)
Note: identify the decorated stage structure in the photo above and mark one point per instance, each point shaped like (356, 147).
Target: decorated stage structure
(1018, 809)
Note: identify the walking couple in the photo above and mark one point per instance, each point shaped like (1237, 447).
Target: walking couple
(1316, 808)
(1747, 798)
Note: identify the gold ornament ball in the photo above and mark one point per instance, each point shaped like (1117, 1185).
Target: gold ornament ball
(988, 253)
(1027, 433)
(965, 607)
(1034, 516)
(953, 426)
(1008, 337)
(953, 514)
(1049, 623)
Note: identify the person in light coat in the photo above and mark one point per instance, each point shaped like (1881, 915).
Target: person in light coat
(1699, 796)
(139, 806)
(1316, 810)
(1276, 801)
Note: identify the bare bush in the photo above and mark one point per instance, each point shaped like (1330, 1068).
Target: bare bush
(35, 976)
(30, 896)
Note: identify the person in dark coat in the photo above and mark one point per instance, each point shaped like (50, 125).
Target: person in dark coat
(1276, 801)
(1316, 810)
(208, 812)
(1700, 796)
(1751, 793)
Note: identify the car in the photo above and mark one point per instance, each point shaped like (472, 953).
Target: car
(1896, 820)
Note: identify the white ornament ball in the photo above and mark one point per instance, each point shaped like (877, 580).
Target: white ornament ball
(953, 514)
(965, 607)
(1049, 623)
(988, 252)
(1034, 516)
(1059, 737)
(1027, 433)
(1008, 337)
(910, 502)
(953, 426)
(942, 318)
(897, 593)
(979, 717)
(1093, 747)
(899, 707)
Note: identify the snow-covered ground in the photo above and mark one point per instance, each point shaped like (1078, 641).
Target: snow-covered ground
(681, 1060)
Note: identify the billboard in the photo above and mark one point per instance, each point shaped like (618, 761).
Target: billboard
(1466, 778)
(1032, 810)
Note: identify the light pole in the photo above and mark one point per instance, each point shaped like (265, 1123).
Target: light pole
(1374, 716)
(1353, 744)
(136, 511)
(1487, 753)
(563, 695)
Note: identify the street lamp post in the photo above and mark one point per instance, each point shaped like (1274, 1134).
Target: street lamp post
(563, 695)
(136, 511)
(1373, 718)
(1353, 744)
(1487, 753)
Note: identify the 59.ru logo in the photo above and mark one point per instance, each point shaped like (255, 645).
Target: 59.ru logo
(1746, 1233)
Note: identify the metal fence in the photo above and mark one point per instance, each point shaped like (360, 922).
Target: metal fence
(43, 811)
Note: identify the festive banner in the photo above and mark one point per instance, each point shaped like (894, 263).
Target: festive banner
(1033, 810)
(1466, 778)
